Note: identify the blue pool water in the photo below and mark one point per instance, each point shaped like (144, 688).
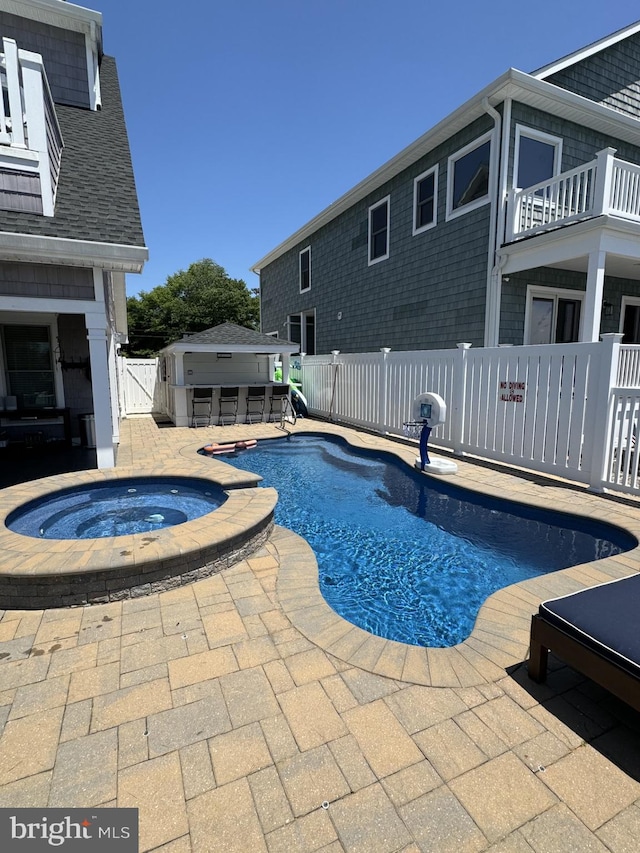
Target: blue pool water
(132, 505)
(406, 556)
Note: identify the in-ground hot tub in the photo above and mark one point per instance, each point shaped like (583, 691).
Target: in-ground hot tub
(131, 505)
(74, 550)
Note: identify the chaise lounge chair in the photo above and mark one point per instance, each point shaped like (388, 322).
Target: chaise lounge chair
(596, 632)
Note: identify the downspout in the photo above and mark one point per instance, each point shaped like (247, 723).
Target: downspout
(258, 273)
(496, 223)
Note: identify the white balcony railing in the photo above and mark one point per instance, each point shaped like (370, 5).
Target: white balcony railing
(606, 185)
(629, 366)
(30, 136)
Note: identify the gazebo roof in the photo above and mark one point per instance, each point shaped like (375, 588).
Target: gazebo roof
(228, 337)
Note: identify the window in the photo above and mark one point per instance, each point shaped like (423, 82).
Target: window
(468, 177)
(302, 331)
(538, 157)
(294, 323)
(425, 200)
(29, 366)
(304, 267)
(379, 231)
(553, 317)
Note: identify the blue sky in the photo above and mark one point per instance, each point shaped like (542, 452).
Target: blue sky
(247, 117)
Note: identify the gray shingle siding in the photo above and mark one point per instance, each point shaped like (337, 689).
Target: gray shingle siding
(96, 198)
(579, 144)
(63, 52)
(20, 191)
(608, 77)
(46, 281)
(429, 293)
(514, 297)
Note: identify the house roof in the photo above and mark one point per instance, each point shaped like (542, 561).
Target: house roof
(585, 52)
(228, 337)
(528, 89)
(96, 199)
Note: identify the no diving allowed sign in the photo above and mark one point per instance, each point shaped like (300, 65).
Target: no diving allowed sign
(512, 392)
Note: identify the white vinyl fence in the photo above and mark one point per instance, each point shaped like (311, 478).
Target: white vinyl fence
(566, 409)
(138, 385)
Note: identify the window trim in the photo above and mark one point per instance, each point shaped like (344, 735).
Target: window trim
(307, 249)
(386, 200)
(555, 293)
(432, 171)
(451, 162)
(33, 319)
(539, 136)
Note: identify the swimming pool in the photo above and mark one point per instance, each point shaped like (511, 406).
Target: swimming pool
(408, 557)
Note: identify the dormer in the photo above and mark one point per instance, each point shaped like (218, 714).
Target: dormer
(69, 40)
(51, 54)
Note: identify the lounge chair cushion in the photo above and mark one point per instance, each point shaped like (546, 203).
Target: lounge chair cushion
(603, 618)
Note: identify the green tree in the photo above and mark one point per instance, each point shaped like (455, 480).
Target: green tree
(189, 301)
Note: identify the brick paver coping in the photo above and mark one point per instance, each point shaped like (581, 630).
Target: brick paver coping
(62, 572)
(210, 711)
(500, 637)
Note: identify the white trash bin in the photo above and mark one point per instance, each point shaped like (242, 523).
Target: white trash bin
(88, 430)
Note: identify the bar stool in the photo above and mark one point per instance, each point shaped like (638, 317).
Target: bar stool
(201, 402)
(228, 405)
(255, 403)
(279, 393)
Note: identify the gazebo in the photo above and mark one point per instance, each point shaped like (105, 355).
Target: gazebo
(213, 363)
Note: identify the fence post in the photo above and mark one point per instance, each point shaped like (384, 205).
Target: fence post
(604, 177)
(459, 396)
(120, 383)
(601, 413)
(335, 353)
(512, 216)
(15, 99)
(384, 384)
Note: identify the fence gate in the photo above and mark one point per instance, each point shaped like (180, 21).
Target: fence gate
(138, 378)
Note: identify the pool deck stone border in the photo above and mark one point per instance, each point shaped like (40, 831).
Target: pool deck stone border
(36, 573)
(209, 711)
(500, 637)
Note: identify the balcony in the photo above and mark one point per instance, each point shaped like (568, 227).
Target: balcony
(606, 185)
(30, 138)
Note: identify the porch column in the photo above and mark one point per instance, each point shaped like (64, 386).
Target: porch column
(593, 300)
(180, 414)
(113, 386)
(97, 337)
(286, 358)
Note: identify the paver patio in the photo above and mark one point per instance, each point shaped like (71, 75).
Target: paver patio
(239, 713)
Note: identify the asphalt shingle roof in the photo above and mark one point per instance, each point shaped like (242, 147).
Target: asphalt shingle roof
(97, 198)
(229, 334)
